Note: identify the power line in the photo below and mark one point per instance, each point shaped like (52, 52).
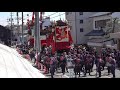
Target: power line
(58, 15)
(26, 17)
(43, 16)
(50, 14)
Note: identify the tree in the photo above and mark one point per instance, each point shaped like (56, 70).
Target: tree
(112, 27)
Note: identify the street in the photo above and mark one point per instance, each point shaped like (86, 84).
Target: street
(104, 74)
(93, 75)
(91, 43)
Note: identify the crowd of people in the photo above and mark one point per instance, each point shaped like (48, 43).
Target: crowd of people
(78, 60)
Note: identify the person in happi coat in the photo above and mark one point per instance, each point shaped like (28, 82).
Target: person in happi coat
(108, 64)
(56, 61)
(63, 63)
(78, 66)
(65, 55)
(47, 63)
(113, 65)
(99, 66)
(118, 59)
(88, 64)
(52, 66)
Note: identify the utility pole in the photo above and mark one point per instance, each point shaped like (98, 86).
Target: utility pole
(37, 32)
(76, 27)
(60, 16)
(41, 18)
(18, 27)
(22, 30)
(8, 21)
(11, 14)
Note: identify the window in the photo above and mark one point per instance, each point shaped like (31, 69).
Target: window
(81, 13)
(81, 21)
(101, 23)
(67, 13)
(81, 29)
(115, 41)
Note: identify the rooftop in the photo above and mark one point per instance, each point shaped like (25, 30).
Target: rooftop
(116, 15)
(95, 33)
(100, 14)
(98, 40)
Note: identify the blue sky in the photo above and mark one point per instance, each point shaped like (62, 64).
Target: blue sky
(6, 15)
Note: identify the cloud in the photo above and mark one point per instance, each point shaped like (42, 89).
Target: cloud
(5, 15)
(3, 23)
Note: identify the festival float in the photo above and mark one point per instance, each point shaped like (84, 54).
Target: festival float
(56, 35)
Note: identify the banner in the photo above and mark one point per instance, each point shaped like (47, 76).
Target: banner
(61, 33)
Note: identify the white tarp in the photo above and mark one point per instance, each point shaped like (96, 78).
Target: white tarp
(94, 44)
(115, 35)
(12, 65)
(116, 15)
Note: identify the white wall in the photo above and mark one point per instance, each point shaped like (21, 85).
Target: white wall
(108, 42)
(71, 21)
(87, 26)
(94, 44)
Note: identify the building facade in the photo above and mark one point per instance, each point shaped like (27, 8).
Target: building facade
(80, 24)
(102, 27)
(116, 33)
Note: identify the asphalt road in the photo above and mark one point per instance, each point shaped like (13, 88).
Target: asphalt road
(104, 74)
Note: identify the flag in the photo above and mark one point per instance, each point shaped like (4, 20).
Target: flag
(28, 23)
(33, 18)
(70, 37)
(41, 20)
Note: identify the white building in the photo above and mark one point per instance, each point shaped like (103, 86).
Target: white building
(100, 36)
(80, 24)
